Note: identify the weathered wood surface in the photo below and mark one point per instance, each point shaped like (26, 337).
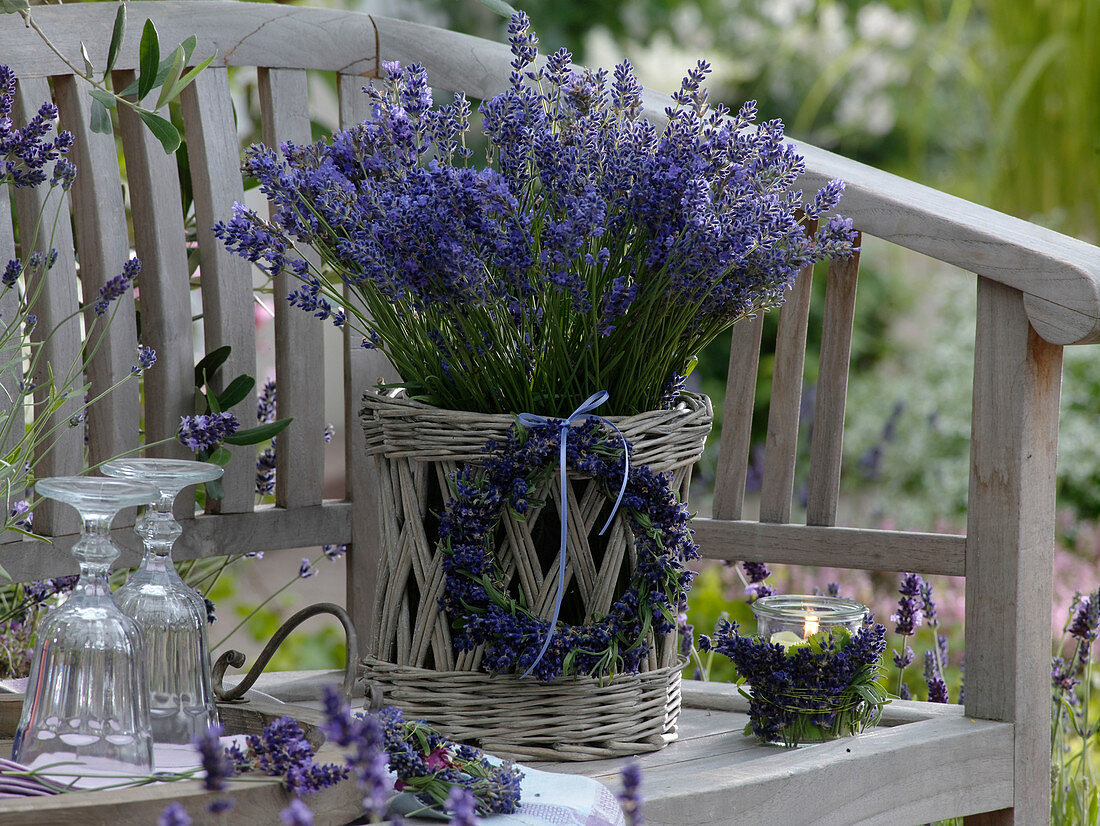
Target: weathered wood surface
(867, 548)
(267, 528)
(56, 302)
(1010, 541)
(733, 456)
(299, 339)
(827, 445)
(227, 312)
(785, 407)
(99, 219)
(159, 238)
(242, 34)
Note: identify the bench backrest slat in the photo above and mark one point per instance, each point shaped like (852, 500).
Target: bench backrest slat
(99, 220)
(781, 444)
(227, 304)
(159, 240)
(827, 442)
(299, 342)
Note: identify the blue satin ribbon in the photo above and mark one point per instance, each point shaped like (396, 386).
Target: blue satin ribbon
(581, 414)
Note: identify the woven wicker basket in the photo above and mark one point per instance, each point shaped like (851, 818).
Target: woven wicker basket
(416, 448)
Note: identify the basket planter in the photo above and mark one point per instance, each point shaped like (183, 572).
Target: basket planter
(416, 448)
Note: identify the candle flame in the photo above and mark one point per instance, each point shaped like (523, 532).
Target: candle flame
(811, 627)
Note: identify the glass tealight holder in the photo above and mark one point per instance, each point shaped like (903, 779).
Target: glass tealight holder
(87, 700)
(171, 614)
(791, 619)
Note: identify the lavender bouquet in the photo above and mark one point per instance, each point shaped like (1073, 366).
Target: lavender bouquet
(820, 689)
(591, 252)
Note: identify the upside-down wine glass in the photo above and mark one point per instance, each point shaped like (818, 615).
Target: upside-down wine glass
(171, 614)
(86, 696)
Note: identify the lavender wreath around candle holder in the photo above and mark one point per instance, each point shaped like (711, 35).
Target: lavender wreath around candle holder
(418, 449)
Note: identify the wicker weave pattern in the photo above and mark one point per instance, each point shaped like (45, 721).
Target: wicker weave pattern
(417, 448)
(571, 719)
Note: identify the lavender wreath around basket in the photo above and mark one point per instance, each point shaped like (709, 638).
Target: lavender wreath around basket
(477, 598)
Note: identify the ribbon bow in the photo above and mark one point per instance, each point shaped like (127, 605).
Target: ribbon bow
(581, 414)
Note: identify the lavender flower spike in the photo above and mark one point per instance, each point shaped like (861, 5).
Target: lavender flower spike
(296, 814)
(630, 798)
(462, 805)
(174, 815)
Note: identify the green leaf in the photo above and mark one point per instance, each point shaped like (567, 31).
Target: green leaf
(116, 38)
(255, 435)
(188, 47)
(12, 6)
(220, 457)
(210, 363)
(498, 6)
(236, 391)
(162, 130)
(105, 99)
(181, 84)
(100, 118)
(214, 489)
(171, 77)
(88, 67)
(148, 64)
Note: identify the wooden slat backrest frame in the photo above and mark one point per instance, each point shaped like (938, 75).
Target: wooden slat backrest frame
(827, 445)
(781, 444)
(226, 278)
(299, 344)
(99, 220)
(165, 292)
(55, 301)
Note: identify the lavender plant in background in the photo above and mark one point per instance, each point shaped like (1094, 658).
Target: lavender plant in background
(1073, 728)
(906, 621)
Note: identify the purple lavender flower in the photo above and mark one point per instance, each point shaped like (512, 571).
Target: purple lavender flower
(211, 616)
(630, 797)
(306, 569)
(296, 814)
(204, 432)
(265, 472)
(118, 286)
(25, 151)
(583, 206)
(12, 271)
(756, 573)
(908, 617)
(904, 659)
(265, 403)
(147, 357)
(334, 552)
(174, 815)
(937, 688)
(461, 803)
(215, 763)
(21, 516)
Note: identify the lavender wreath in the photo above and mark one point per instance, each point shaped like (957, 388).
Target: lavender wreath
(477, 598)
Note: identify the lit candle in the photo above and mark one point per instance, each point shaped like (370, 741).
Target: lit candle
(811, 627)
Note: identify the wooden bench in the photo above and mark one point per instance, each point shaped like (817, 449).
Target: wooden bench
(1037, 292)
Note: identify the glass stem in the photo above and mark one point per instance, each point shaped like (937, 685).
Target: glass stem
(95, 553)
(159, 529)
